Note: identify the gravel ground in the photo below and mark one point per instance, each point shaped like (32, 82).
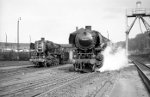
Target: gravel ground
(28, 79)
(129, 84)
(63, 81)
(33, 81)
(97, 84)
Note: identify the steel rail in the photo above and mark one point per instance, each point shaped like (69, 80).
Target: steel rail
(143, 76)
(147, 67)
(43, 94)
(38, 85)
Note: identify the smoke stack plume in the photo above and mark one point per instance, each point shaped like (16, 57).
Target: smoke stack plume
(76, 28)
(114, 59)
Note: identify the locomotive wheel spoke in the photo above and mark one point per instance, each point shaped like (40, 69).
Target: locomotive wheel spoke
(75, 67)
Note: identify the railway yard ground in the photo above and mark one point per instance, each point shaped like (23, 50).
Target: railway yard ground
(25, 80)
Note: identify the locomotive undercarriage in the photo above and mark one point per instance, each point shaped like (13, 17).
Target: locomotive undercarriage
(83, 61)
(45, 62)
(40, 60)
(87, 64)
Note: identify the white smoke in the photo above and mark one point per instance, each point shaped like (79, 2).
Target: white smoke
(114, 59)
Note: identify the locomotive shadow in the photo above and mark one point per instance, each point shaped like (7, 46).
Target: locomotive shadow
(67, 69)
(71, 69)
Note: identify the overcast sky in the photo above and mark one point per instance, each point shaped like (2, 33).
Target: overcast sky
(56, 19)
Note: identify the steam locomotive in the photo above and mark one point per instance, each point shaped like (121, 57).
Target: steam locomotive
(46, 53)
(88, 45)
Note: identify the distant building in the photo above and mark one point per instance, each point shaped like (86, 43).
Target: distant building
(13, 46)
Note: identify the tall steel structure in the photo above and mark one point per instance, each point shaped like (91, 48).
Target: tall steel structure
(136, 13)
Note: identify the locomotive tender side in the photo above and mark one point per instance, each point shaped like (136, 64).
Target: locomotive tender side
(88, 46)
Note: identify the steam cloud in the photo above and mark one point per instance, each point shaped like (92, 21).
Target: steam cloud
(114, 59)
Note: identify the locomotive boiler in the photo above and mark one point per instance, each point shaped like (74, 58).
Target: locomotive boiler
(46, 53)
(88, 45)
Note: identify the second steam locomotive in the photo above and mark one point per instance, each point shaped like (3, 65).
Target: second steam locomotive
(46, 53)
(88, 45)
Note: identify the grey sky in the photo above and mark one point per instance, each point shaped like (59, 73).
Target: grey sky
(56, 19)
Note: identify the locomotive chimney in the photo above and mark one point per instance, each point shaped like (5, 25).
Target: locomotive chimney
(88, 28)
(76, 28)
(43, 39)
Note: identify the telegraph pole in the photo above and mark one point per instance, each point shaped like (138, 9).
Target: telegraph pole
(6, 41)
(107, 34)
(18, 38)
(29, 46)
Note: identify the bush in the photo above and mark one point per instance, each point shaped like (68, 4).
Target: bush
(12, 56)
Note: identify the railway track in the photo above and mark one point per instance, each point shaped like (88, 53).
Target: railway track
(67, 82)
(20, 88)
(106, 86)
(15, 71)
(36, 87)
(32, 81)
(45, 82)
(4, 74)
(73, 88)
(42, 86)
(143, 71)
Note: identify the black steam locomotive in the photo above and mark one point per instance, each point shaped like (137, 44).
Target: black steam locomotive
(46, 53)
(88, 45)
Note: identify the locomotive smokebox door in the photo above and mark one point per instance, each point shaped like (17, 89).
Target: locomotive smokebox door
(87, 44)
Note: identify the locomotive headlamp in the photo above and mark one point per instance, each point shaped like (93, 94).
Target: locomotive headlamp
(74, 56)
